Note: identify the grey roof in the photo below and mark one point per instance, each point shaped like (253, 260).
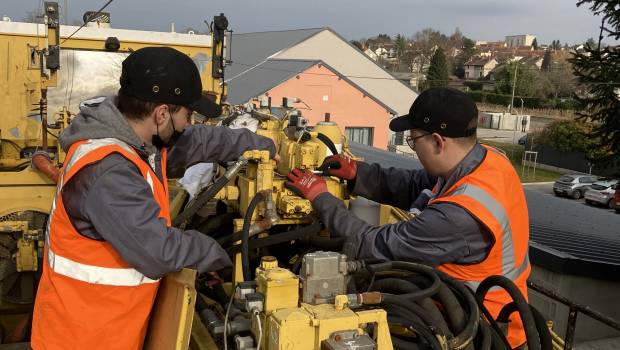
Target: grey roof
(253, 49)
(259, 79)
(565, 236)
(250, 49)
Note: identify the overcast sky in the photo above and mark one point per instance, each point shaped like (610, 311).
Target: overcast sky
(477, 19)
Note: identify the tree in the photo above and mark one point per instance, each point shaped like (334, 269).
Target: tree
(528, 83)
(535, 44)
(568, 136)
(401, 44)
(559, 78)
(438, 70)
(598, 71)
(555, 45)
(547, 61)
(590, 42)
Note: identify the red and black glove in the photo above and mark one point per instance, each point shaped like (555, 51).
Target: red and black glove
(339, 166)
(305, 184)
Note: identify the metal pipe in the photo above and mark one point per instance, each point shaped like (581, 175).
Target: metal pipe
(43, 113)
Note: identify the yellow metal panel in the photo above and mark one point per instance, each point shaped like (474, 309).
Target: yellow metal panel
(173, 312)
(280, 288)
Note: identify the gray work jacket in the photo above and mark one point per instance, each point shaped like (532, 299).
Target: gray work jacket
(441, 233)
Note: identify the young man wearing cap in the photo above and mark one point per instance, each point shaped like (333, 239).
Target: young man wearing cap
(109, 238)
(473, 219)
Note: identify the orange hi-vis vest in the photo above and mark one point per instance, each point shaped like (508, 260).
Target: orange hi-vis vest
(493, 194)
(89, 297)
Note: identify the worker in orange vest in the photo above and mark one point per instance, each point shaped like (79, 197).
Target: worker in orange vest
(472, 218)
(109, 238)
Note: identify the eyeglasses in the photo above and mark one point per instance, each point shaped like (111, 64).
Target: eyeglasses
(411, 140)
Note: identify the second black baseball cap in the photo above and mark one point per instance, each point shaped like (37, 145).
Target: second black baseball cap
(446, 111)
(166, 75)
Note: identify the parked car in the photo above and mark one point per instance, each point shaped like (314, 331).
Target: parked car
(616, 199)
(602, 193)
(573, 185)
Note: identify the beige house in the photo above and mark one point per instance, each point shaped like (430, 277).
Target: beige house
(520, 40)
(479, 67)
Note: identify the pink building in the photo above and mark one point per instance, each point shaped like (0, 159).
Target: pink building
(321, 90)
(325, 72)
(361, 117)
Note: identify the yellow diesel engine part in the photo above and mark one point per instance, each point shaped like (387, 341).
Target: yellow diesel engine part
(309, 311)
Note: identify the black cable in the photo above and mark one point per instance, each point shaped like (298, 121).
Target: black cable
(54, 136)
(328, 142)
(14, 144)
(529, 325)
(86, 22)
(245, 248)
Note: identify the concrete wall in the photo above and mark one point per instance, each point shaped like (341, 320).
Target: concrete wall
(502, 121)
(599, 295)
(325, 92)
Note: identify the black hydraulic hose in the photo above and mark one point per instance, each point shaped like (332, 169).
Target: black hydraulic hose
(278, 238)
(421, 328)
(485, 334)
(539, 319)
(328, 142)
(531, 333)
(399, 286)
(411, 267)
(400, 343)
(245, 247)
(452, 308)
(467, 334)
(544, 334)
(399, 301)
(496, 331)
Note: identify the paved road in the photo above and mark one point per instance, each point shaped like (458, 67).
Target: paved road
(547, 188)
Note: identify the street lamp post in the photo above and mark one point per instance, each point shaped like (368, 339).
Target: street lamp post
(514, 85)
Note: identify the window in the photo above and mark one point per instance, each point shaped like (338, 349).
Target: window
(359, 135)
(399, 138)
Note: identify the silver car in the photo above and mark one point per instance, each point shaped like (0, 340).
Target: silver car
(573, 185)
(602, 193)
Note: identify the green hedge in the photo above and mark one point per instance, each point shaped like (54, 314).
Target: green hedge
(528, 102)
(504, 100)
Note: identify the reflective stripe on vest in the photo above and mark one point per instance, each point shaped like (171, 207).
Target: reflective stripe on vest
(509, 261)
(90, 273)
(96, 274)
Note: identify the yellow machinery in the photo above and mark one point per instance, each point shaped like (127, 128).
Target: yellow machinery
(46, 70)
(49, 69)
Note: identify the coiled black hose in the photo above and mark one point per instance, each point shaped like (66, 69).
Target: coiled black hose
(402, 287)
(415, 268)
(529, 324)
(245, 248)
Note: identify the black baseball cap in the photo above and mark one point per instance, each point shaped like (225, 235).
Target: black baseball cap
(166, 75)
(441, 110)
